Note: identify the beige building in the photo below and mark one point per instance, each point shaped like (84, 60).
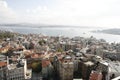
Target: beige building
(66, 69)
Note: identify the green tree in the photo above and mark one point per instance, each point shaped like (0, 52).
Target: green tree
(36, 66)
(42, 42)
(59, 50)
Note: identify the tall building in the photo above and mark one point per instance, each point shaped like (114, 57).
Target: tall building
(66, 68)
(87, 67)
(95, 75)
(47, 70)
(2, 70)
(18, 71)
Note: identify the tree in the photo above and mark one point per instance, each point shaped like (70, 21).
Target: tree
(6, 34)
(36, 66)
(60, 50)
(41, 42)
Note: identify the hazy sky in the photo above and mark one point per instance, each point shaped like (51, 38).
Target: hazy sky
(103, 13)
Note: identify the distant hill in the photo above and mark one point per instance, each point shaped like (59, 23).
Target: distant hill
(115, 31)
(37, 25)
(42, 25)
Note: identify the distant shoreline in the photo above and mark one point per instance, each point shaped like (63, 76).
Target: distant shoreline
(114, 31)
(46, 26)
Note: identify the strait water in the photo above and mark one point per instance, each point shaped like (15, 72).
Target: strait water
(65, 31)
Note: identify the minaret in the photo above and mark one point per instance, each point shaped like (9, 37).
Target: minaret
(7, 60)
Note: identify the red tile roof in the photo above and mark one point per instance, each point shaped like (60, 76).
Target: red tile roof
(3, 64)
(4, 49)
(35, 55)
(45, 63)
(95, 76)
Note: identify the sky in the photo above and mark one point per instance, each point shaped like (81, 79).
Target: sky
(102, 13)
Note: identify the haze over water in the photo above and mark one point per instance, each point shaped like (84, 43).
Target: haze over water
(66, 31)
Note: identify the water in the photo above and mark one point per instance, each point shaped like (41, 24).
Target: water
(66, 31)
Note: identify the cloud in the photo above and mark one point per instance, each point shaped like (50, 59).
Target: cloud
(67, 12)
(6, 14)
(77, 12)
(91, 12)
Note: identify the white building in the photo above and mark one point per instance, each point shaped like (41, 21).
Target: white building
(114, 68)
(18, 71)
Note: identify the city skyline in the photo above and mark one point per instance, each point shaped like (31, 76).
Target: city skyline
(102, 13)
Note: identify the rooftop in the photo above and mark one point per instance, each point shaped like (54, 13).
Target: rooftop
(117, 78)
(3, 64)
(114, 67)
(89, 63)
(45, 63)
